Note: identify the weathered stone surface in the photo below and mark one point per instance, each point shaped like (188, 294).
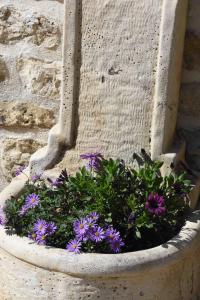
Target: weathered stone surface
(42, 30)
(192, 51)
(16, 152)
(29, 29)
(61, 1)
(3, 69)
(115, 113)
(118, 60)
(41, 78)
(30, 271)
(14, 26)
(26, 115)
(9, 24)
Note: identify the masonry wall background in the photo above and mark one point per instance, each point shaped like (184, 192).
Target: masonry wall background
(30, 79)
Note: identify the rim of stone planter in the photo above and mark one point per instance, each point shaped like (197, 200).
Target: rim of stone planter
(112, 265)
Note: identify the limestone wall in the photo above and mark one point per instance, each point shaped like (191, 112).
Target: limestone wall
(30, 77)
(118, 63)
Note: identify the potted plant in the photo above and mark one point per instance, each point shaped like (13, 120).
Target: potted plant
(110, 231)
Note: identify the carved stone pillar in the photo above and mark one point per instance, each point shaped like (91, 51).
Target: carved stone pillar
(121, 78)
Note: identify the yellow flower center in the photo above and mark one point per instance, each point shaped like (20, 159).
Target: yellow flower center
(81, 226)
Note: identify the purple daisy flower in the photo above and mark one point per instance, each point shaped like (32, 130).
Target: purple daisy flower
(89, 233)
(19, 170)
(74, 246)
(116, 245)
(80, 227)
(97, 234)
(94, 160)
(32, 200)
(51, 228)
(36, 177)
(155, 204)
(91, 222)
(94, 216)
(23, 210)
(2, 220)
(41, 239)
(2, 217)
(112, 234)
(40, 227)
(56, 182)
(32, 236)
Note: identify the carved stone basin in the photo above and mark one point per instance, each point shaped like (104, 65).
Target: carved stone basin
(169, 271)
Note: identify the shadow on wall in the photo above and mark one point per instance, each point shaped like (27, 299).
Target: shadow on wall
(189, 107)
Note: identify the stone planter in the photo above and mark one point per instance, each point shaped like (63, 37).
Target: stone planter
(169, 271)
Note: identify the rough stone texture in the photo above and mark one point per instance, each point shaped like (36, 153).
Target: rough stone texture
(25, 115)
(51, 285)
(89, 125)
(189, 109)
(118, 60)
(14, 26)
(39, 77)
(122, 50)
(16, 152)
(168, 76)
(3, 70)
(30, 56)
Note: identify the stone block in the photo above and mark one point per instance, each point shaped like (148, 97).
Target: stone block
(16, 152)
(25, 115)
(39, 77)
(40, 30)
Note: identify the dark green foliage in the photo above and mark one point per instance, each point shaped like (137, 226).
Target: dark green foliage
(118, 193)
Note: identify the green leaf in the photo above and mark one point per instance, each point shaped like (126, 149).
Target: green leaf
(138, 234)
